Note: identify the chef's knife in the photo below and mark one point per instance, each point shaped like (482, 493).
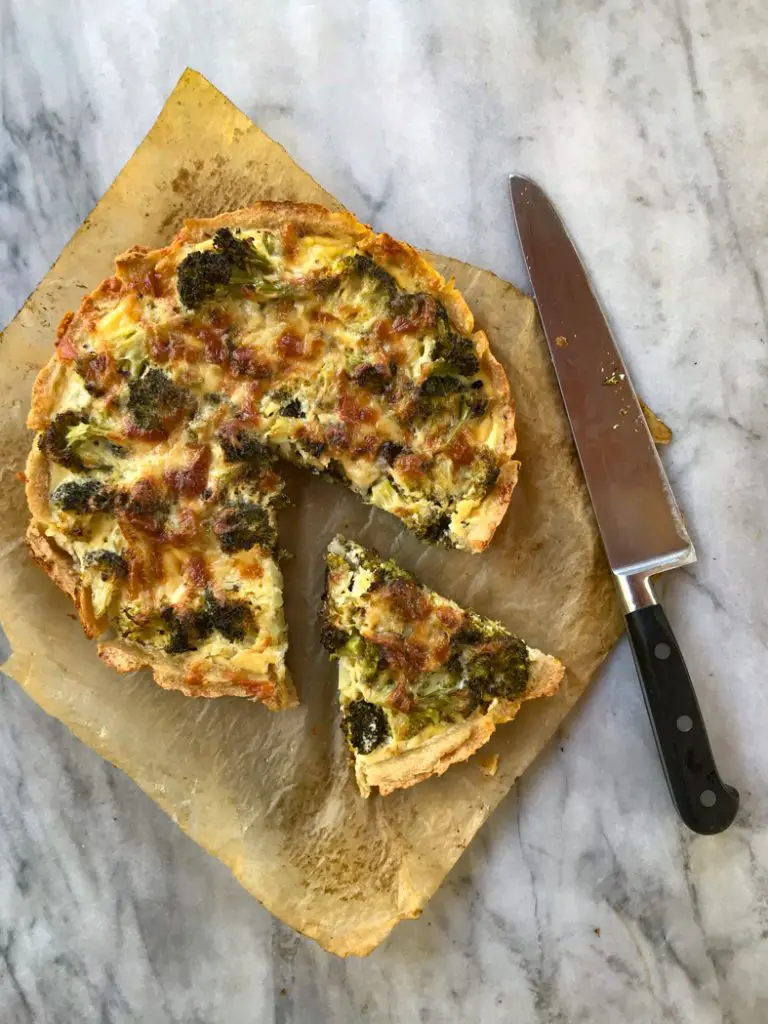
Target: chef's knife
(640, 524)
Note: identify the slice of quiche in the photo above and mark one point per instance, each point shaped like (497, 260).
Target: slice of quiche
(283, 330)
(422, 682)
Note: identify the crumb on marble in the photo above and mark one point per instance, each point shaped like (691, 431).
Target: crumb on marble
(489, 765)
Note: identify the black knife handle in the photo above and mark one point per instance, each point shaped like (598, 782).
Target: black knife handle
(705, 803)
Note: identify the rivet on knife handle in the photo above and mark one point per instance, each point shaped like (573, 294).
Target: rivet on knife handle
(705, 803)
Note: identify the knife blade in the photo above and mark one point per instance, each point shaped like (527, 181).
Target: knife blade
(639, 521)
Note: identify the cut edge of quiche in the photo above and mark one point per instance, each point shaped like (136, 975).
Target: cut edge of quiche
(423, 683)
(279, 331)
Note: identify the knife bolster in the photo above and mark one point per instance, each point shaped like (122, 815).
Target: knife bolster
(635, 591)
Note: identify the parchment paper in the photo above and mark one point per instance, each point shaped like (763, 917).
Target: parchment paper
(270, 794)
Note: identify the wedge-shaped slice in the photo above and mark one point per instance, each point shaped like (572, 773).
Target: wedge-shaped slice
(422, 682)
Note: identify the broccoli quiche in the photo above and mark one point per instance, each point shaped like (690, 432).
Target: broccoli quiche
(283, 330)
(422, 682)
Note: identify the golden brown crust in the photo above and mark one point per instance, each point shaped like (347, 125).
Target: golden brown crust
(52, 560)
(125, 657)
(546, 675)
(307, 218)
(432, 758)
(37, 483)
(458, 742)
(138, 261)
(44, 393)
(497, 502)
(58, 565)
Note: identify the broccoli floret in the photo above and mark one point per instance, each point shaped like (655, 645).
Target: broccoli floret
(240, 444)
(293, 410)
(365, 725)
(241, 253)
(467, 636)
(232, 260)
(93, 447)
(82, 496)
(332, 638)
(438, 386)
(485, 472)
(491, 477)
(252, 485)
(372, 378)
(154, 397)
(500, 669)
(456, 352)
(232, 619)
(108, 563)
(200, 274)
(129, 349)
(368, 656)
(187, 630)
(389, 451)
(73, 441)
(335, 470)
(309, 447)
(361, 265)
(493, 662)
(435, 531)
(54, 440)
(412, 305)
(242, 525)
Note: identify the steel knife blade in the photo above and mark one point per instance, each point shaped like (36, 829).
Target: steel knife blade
(637, 515)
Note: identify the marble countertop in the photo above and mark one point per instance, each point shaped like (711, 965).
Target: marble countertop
(584, 899)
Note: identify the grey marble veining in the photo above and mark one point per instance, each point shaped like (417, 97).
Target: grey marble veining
(583, 899)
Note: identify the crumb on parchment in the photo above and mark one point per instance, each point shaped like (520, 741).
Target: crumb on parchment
(489, 765)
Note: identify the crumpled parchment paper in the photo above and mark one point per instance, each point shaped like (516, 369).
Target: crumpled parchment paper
(270, 794)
